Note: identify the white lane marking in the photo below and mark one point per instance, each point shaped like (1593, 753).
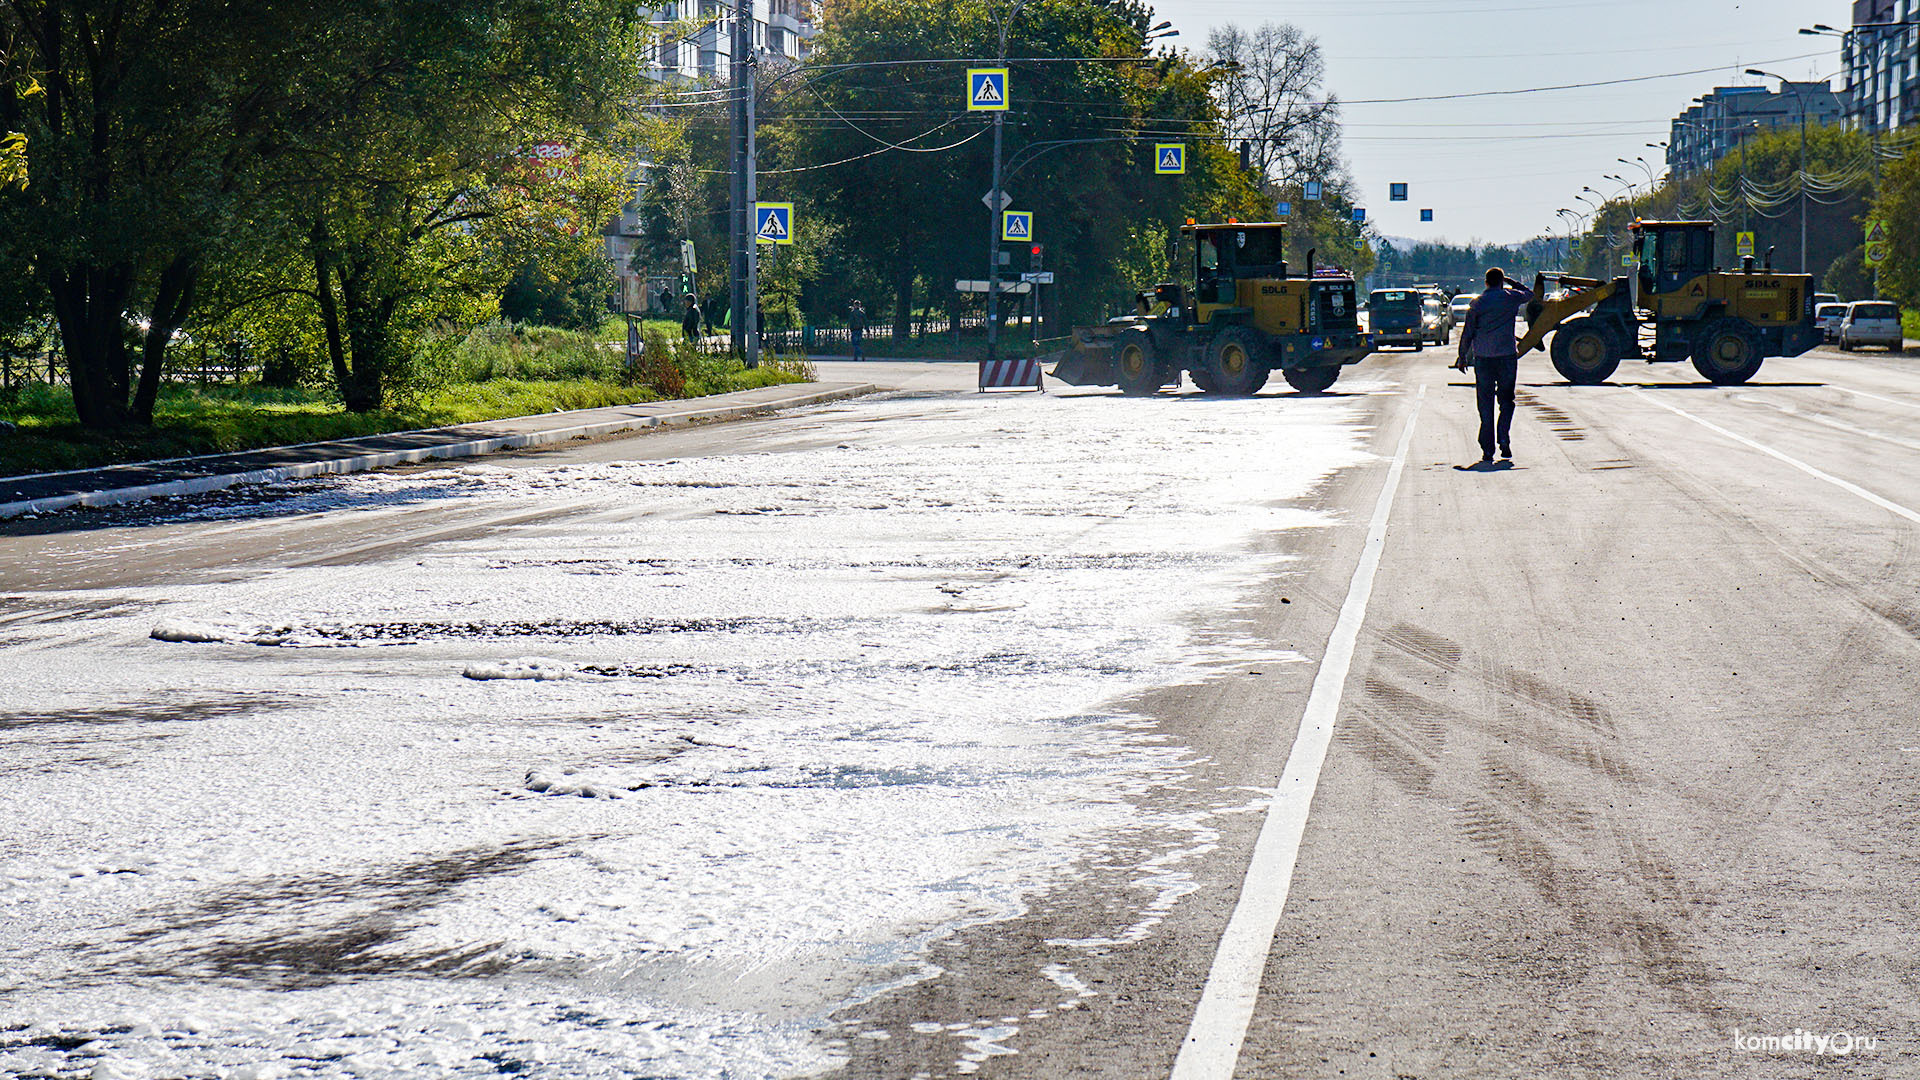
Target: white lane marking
(1856, 489)
(1876, 397)
(1212, 1046)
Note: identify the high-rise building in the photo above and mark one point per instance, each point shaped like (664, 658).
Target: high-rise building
(1882, 59)
(700, 51)
(1720, 121)
(781, 28)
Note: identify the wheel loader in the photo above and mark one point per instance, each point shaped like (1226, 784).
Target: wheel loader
(1675, 305)
(1243, 318)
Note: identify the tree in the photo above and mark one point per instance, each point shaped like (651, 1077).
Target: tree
(1898, 206)
(1270, 99)
(891, 155)
(178, 139)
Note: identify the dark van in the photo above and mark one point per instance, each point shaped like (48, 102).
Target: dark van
(1394, 317)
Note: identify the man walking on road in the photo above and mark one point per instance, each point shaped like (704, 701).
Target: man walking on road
(1488, 345)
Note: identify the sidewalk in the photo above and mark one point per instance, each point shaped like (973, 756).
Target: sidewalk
(113, 484)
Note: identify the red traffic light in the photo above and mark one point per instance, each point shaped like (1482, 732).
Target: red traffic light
(1037, 249)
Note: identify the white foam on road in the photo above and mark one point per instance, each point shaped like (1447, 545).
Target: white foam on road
(814, 711)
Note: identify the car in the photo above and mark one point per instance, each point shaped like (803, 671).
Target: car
(1872, 322)
(1825, 298)
(1393, 318)
(1436, 323)
(1460, 306)
(1828, 318)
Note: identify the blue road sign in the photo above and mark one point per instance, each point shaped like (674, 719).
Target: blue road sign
(986, 89)
(773, 222)
(1170, 159)
(1016, 225)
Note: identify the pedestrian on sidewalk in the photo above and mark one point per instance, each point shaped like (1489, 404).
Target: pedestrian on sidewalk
(716, 314)
(1489, 346)
(856, 325)
(690, 319)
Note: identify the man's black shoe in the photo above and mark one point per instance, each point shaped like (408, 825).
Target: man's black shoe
(1506, 451)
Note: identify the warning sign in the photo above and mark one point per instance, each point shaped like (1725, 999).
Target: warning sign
(1878, 249)
(1743, 245)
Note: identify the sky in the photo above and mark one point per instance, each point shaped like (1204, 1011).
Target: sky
(1494, 169)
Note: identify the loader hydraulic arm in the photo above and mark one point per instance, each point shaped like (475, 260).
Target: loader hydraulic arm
(1544, 316)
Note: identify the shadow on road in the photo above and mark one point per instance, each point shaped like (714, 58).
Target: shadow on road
(1486, 467)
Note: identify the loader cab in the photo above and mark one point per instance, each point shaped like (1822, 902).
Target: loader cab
(1234, 252)
(1673, 254)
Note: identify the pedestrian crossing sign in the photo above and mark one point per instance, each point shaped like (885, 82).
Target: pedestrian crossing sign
(773, 222)
(1170, 159)
(1016, 225)
(986, 89)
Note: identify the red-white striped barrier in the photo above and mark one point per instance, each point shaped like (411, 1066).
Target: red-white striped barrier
(1010, 375)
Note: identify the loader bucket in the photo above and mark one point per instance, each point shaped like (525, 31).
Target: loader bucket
(1070, 366)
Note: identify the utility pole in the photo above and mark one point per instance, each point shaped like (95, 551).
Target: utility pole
(993, 217)
(743, 286)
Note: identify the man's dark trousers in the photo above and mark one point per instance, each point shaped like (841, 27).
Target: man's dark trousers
(1494, 379)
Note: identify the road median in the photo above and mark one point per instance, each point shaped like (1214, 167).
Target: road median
(133, 482)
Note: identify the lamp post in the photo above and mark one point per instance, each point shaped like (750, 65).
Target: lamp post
(993, 235)
(1800, 98)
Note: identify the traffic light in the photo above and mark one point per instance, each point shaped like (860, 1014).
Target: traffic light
(1038, 251)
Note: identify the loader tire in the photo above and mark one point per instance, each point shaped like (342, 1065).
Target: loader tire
(1585, 353)
(1234, 363)
(1311, 380)
(1202, 380)
(1727, 352)
(1136, 367)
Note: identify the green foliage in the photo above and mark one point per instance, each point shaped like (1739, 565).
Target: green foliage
(904, 174)
(1899, 207)
(1849, 277)
(570, 296)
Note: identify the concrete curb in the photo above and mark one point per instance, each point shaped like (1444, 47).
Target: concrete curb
(384, 459)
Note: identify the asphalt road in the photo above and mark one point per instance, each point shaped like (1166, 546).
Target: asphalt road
(1609, 767)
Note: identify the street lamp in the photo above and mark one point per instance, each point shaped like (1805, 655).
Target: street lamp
(993, 234)
(1800, 97)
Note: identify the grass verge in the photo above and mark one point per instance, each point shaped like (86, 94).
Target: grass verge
(190, 420)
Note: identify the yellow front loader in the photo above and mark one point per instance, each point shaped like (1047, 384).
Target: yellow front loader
(1675, 305)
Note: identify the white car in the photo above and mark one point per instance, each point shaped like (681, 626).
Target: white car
(1828, 318)
(1872, 322)
(1460, 305)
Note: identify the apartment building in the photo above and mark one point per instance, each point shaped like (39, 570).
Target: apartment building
(1881, 54)
(781, 28)
(1719, 122)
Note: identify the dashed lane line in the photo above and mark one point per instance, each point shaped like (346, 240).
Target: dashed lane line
(1847, 486)
(1212, 1046)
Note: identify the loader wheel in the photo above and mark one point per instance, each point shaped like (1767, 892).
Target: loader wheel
(1584, 353)
(1203, 380)
(1234, 365)
(1136, 368)
(1727, 352)
(1311, 380)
